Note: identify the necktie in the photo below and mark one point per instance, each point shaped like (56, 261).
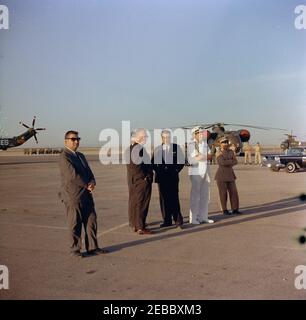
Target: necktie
(80, 159)
(166, 152)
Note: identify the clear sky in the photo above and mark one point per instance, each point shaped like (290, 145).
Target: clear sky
(88, 65)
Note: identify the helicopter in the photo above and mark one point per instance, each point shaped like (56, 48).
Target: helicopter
(290, 142)
(6, 143)
(236, 137)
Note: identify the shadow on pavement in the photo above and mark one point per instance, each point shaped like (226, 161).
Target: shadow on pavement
(250, 213)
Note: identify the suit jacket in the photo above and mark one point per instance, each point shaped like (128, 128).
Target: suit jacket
(138, 170)
(75, 176)
(168, 171)
(226, 159)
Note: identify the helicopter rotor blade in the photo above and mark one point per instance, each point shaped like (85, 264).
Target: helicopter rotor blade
(221, 124)
(40, 129)
(33, 122)
(35, 138)
(24, 125)
(255, 127)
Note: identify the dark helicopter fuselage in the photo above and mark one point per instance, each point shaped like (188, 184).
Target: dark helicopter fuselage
(236, 138)
(6, 143)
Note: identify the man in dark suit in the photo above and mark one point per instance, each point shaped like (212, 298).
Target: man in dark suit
(168, 160)
(139, 177)
(77, 185)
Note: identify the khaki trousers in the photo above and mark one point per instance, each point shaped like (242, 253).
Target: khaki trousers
(228, 187)
(248, 157)
(257, 158)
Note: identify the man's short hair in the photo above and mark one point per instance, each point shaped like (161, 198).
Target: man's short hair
(68, 133)
(135, 133)
(166, 131)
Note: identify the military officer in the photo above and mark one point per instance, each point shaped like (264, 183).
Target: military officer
(225, 178)
(258, 150)
(199, 172)
(247, 149)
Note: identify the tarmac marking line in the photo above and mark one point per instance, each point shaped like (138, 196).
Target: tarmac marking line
(61, 228)
(112, 229)
(33, 225)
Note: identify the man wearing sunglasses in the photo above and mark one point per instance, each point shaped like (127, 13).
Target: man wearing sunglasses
(225, 177)
(78, 183)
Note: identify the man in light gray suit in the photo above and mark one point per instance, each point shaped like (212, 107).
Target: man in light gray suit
(78, 182)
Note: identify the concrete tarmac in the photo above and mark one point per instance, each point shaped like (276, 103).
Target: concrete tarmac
(250, 256)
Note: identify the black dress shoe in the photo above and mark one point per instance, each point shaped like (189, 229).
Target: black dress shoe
(97, 252)
(226, 212)
(163, 225)
(236, 211)
(144, 231)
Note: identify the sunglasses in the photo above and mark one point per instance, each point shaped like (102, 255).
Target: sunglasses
(226, 142)
(74, 139)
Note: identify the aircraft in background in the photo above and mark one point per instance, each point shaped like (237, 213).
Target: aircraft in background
(6, 143)
(291, 142)
(236, 137)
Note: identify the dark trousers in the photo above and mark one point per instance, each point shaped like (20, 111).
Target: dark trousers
(169, 201)
(139, 200)
(80, 214)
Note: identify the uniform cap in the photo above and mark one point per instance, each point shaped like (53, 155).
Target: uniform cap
(196, 129)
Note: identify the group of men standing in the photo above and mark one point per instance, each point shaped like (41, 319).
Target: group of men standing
(78, 183)
(167, 162)
(247, 149)
(167, 165)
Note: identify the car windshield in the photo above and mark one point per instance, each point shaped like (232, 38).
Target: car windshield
(294, 151)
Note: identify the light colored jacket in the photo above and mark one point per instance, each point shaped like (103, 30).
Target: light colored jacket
(200, 168)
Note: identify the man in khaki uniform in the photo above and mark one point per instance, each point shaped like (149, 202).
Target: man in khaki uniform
(225, 178)
(247, 149)
(258, 150)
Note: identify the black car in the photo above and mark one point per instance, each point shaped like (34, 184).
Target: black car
(292, 160)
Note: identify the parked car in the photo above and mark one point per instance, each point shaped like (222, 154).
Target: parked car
(292, 160)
